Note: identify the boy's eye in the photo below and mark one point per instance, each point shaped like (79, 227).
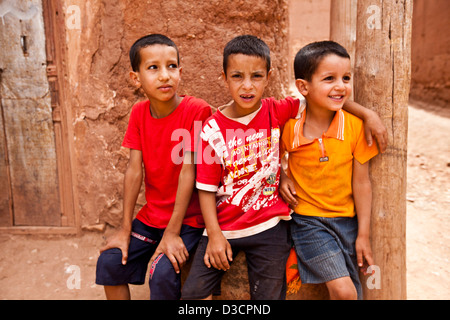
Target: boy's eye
(347, 78)
(152, 67)
(236, 76)
(173, 66)
(329, 78)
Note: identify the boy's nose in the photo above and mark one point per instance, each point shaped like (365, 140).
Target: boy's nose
(340, 85)
(164, 74)
(247, 83)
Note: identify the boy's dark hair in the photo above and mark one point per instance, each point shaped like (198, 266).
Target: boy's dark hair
(248, 45)
(308, 58)
(145, 41)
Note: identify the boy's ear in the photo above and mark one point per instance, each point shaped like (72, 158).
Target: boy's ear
(224, 78)
(135, 78)
(302, 86)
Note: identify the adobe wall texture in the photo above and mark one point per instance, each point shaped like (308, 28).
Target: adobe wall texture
(431, 52)
(101, 95)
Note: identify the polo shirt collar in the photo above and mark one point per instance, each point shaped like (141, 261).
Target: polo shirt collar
(336, 129)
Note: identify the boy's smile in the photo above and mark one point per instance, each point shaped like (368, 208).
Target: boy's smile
(330, 85)
(246, 78)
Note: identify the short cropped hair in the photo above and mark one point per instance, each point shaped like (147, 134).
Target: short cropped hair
(308, 58)
(248, 45)
(145, 41)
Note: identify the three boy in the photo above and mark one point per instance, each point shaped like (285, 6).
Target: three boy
(242, 140)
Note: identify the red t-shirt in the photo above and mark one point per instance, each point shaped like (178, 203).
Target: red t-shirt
(241, 164)
(163, 143)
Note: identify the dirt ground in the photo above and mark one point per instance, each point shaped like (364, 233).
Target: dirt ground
(47, 267)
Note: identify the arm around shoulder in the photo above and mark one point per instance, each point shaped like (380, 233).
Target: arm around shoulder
(373, 126)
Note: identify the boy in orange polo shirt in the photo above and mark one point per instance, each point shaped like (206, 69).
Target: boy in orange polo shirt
(328, 163)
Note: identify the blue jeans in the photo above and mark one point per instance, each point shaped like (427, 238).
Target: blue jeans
(325, 248)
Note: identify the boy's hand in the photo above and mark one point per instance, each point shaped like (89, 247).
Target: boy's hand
(121, 240)
(287, 190)
(173, 247)
(218, 252)
(374, 127)
(363, 253)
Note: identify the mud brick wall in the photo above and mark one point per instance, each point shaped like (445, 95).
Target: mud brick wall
(430, 79)
(101, 95)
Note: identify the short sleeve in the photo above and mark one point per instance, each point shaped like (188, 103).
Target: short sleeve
(289, 108)
(132, 137)
(209, 168)
(286, 138)
(362, 152)
(200, 117)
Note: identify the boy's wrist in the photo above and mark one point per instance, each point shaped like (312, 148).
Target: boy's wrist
(364, 234)
(214, 232)
(172, 232)
(368, 114)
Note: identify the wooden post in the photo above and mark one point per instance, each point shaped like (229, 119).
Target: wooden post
(381, 79)
(343, 24)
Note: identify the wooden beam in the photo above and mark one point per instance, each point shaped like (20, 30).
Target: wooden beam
(343, 24)
(381, 81)
(39, 230)
(55, 33)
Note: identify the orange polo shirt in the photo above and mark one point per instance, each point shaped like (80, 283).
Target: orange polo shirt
(322, 168)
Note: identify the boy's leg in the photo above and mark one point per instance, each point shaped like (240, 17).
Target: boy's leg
(120, 292)
(266, 255)
(202, 282)
(342, 289)
(326, 251)
(164, 282)
(114, 276)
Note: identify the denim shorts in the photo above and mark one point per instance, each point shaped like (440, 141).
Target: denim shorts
(164, 282)
(266, 254)
(326, 248)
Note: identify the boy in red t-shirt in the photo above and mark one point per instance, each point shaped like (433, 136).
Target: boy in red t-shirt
(238, 173)
(161, 135)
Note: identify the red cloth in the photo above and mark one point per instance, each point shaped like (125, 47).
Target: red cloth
(241, 163)
(162, 142)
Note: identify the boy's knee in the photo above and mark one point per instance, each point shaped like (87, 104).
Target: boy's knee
(161, 269)
(107, 266)
(345, 294)
(342, 289)
(110, 257)
(164, 282)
